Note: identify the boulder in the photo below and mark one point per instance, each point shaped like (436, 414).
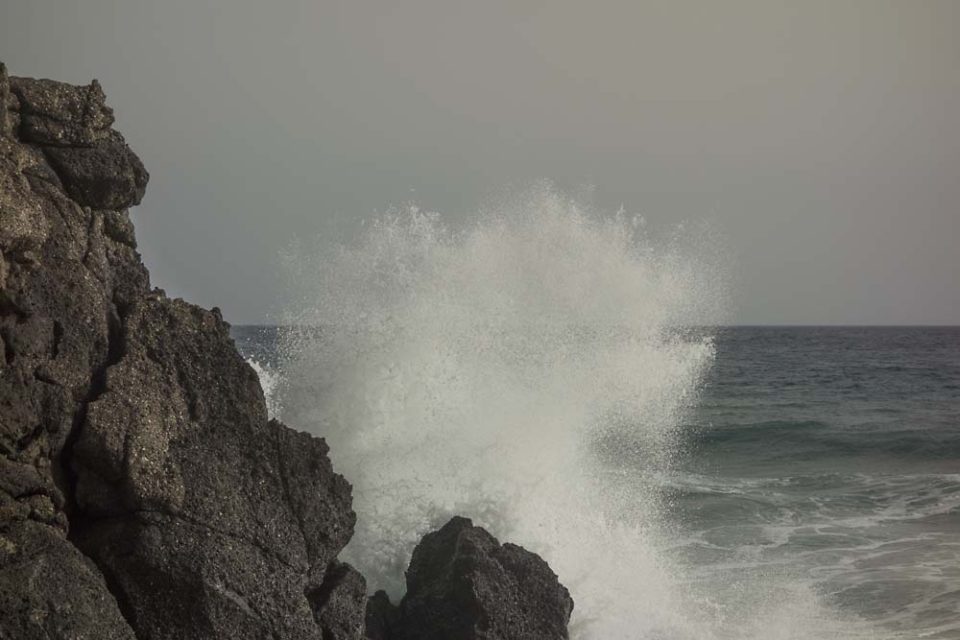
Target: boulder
(381, 616)
(339, 603)
(105, 175)
(462, 584)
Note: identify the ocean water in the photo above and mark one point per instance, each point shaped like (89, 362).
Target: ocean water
(819, 460)
(531, 372)
(831, 455)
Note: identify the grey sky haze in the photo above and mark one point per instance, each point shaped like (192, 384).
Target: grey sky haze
(821, 137)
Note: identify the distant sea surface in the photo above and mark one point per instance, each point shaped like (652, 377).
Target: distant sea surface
(834, 453)
(827, 455)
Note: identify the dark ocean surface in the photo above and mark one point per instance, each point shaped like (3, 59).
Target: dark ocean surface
(829, 455)
(834, 452)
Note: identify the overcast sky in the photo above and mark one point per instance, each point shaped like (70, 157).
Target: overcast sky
(822, 138)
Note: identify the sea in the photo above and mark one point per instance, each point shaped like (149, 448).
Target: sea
(829, 456)
(543, 373)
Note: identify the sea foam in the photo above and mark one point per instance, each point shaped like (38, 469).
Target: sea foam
(526, 371)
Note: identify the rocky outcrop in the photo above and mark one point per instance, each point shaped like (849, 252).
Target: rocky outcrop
(339, 604)
(106, 175)
(463, 584)
(192, 501)
(143, 491)
(381, 616)
(72, 126)
(59, 114)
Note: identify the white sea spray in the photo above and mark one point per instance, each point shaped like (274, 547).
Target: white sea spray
(527, 371)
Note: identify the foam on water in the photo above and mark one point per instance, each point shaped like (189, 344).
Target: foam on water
(525, 372)
(269, 381)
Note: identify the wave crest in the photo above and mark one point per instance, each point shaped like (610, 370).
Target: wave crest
(527, 371)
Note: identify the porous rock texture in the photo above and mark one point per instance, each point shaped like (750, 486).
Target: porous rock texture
(143, 491)
(462, 584)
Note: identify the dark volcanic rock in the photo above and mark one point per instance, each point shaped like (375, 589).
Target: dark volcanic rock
(463, 584)
(50, 590)
(8, 102)
(182, 478)
(58, 285)
(144, 494)
(61, 114)
(143, 491)
(381, 616)
(339, 603)
(106, 175)
(72, 125)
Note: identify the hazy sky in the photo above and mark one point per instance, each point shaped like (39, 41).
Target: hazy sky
(822, 138)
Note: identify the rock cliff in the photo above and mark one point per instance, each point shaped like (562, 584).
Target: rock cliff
(144, 493)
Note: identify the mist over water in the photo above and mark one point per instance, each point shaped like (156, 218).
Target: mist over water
(529, 372)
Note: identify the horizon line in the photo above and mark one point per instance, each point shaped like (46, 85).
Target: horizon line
(733, 326)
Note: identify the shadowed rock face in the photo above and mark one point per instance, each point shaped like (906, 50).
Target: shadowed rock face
(143, 491)
(340, 602)
(381, 616)
(463, 584)
(106, 175)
